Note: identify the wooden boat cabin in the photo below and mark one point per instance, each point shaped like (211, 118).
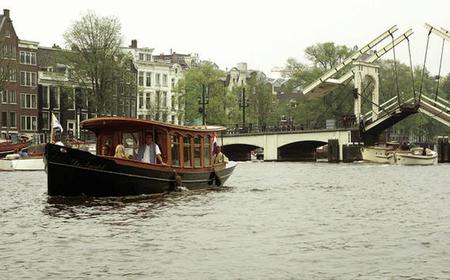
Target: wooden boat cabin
(181, 146)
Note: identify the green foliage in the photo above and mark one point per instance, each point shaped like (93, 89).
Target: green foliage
(327, 55)
(96, 59)
(191, 88)
(262, 102)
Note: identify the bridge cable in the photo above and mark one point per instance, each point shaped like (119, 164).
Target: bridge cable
(423, 68)
(327, 108)
(439, 74)
(412, 69)
(395, 69)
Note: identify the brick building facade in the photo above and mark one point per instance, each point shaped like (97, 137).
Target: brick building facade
(19, 95)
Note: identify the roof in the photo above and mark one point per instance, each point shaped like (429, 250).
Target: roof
(126, 123)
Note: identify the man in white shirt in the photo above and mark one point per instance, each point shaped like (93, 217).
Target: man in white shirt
(149, 152)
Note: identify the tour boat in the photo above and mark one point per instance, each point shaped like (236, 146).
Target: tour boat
(14, 162)
(187, 153)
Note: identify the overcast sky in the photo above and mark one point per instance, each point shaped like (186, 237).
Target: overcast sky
(262, 33)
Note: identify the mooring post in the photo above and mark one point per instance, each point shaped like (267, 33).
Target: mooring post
(333, 150)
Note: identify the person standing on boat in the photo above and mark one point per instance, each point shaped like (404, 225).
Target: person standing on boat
(149, 152)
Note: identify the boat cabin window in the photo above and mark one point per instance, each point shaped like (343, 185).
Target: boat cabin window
(160, 138)
(130, 141)
(207, 150)
(187, 151)
(197, 152)
(105, 145)
(175, 148)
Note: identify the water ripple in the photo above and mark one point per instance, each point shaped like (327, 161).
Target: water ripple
(271, 221)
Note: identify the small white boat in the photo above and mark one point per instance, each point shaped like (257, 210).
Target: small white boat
(378, 154)
(416, 156)
(14, 162)
(388, 154)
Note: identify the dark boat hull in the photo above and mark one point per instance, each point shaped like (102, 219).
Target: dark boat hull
(72, 172)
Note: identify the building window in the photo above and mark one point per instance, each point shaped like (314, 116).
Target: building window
(84, 116)
(141, 56)
(158, 79)
(28, 123)
(12, 75)
(45, 96)
(71, 127)
(148, 102)
(148, 79)
(27, 58)
(148, 57)
(70, 98)
(28, 101)
(28, 79)
(164, 80)
(141, 79)
(45, 116)
(164, 99)
(55, 97)
(12, 97)
(172, 102)
(12, 120)
(4, 119)
(141, 100)
(4, 96)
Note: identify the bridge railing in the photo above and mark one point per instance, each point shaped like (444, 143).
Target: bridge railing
(346, 122)
(439, 104)
(384, 108)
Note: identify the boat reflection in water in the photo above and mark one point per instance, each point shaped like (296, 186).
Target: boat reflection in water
(187, 153)
(394, 154)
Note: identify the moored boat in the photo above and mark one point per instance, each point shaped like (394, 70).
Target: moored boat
(416, 156)
(378, 154)
(187, 153)
(13, 162)
(9, 147)
(392, 155)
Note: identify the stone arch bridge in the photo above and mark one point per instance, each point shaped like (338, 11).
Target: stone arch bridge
(285, 146)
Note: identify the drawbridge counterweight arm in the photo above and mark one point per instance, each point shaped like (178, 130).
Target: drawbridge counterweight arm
(350, 59)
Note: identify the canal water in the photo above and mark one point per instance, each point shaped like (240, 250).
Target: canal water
(272, 221)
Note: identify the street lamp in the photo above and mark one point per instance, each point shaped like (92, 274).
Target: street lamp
(243, 103)
(203, 100)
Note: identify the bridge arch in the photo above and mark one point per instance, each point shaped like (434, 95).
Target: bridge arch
(299, 150)
(239, 152)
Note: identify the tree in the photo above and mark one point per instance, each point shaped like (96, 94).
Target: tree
(327, 55)
(96, 59)
(262, 102)
(191, 87)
